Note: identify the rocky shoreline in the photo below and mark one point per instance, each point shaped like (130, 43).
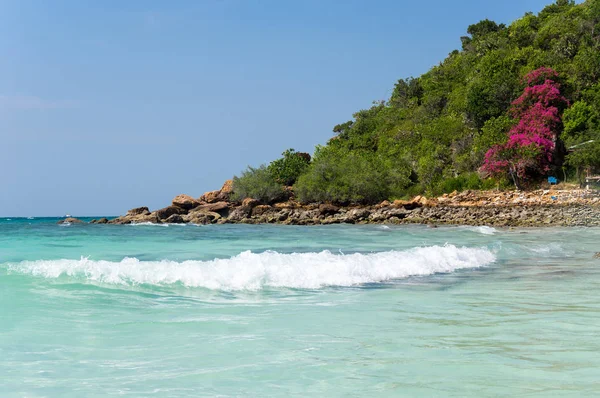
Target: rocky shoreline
(550, 207)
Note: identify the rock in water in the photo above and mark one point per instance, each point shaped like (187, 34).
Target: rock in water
(70, 220)
(167, 212)
(597, 255)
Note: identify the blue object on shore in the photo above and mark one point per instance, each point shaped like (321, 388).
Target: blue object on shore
(553, 197)
(552, 180)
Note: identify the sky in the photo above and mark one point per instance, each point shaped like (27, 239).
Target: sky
(109, 105)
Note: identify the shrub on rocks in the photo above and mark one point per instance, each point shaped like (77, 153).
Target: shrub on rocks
(257, 183)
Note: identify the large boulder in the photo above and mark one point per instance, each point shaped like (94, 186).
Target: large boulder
(250, 202)
(218, 207)
(185, 202)
(221, 195)
(168, 211)
(358, 214)
(328, 209)
(136, 219)
(239, 213)
(199, 217)
(227, 187)
(138, 210)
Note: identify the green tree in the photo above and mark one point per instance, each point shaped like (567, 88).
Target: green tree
(287, 169)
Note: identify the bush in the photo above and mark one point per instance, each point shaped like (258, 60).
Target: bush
(344, 177)
(257, 183)
(464, 182)
(287, 169)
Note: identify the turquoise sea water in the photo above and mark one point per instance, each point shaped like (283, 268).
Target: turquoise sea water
(237, 310)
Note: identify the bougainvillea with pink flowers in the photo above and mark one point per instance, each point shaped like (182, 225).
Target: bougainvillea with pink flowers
(531, 143)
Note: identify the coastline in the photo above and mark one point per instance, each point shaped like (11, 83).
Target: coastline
(550, 207)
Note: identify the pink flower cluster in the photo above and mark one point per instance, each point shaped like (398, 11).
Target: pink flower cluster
(532, 141)
(540, 75)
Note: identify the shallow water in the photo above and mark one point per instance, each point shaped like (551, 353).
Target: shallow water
(236, 310)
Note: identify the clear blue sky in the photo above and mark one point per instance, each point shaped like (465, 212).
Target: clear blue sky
(108, 105)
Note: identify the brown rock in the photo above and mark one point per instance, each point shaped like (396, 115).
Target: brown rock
(385, 203)
(222, 194)
(185, 202)
(239, 213)
(227, 187)
(175, 219)
(407, 204)
(168, 211)
(217, 207)
(138, 210)
(202, 217)
(328, 209)
(420, 200)
(290, 204)
(70, 220)
(210, 197)
(358, 214)
(260, 210)
(102, 221)
(138, 219)
(250, 202)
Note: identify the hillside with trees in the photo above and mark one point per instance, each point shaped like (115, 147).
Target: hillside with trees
(515, 104)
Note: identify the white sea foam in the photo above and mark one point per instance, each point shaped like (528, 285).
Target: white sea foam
(159, 225)
(254, 271)
(148, 223)
(483, 229)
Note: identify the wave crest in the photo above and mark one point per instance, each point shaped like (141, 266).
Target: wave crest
(254, 271)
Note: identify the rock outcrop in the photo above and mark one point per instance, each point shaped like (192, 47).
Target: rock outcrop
(510, 208)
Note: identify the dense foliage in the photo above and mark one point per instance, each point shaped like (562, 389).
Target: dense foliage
(287, 169)
(345, 176)
(257, 183)
(501, 98)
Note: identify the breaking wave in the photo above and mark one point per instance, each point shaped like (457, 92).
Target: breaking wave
(254, 271)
